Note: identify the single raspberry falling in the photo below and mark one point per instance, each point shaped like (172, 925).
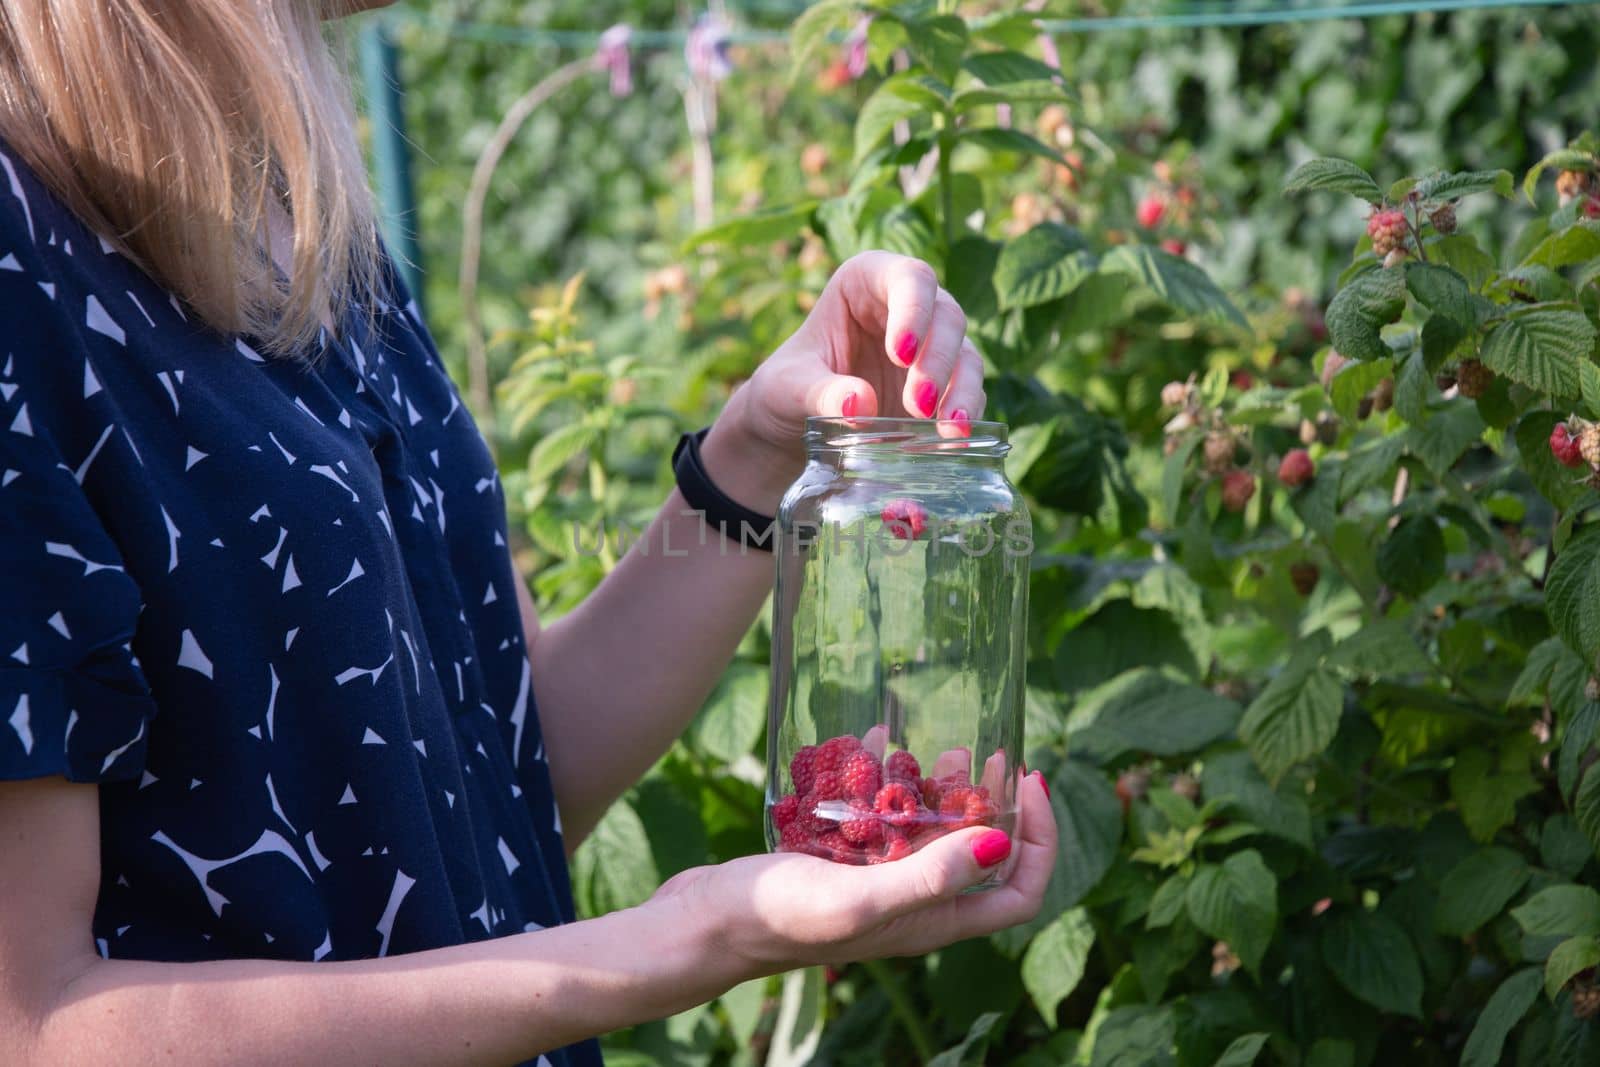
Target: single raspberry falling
(906, 519)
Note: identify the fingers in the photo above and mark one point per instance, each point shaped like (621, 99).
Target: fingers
(876, 740)
(964, 399)
(994, 773)
(939, 871)
(908, 292)
(931, 374)
(840, 395)
(952, 760)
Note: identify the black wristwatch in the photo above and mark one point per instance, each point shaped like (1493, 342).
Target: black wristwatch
(737, 522)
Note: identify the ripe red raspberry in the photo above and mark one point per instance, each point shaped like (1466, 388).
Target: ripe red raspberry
(1383, 395)
(863, 775)
(1237, 489)
(832, 753)
(865, 830)
(898, 802)
(793, 838)
(930, 790)
(785, 811)
(1296, 469)
(1387, 228)
(1174, 246)
(967, 803)
(1132, 784)
(1303, 576)
(896, 848)
(1241, 380)
(1473, 379)
(1444, 219)
(1591, 208)
(1219, 449)
(803, 769)
(906, 519)
(902, 766)
(828, 786)
(1564, 446)
(1152, 209)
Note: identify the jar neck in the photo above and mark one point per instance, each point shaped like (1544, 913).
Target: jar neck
(856, 443)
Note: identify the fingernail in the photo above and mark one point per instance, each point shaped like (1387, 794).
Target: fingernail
(927, 396)
(991, 847)
(959, 415)
(905, 348)
(848, 407)
(1043, 784)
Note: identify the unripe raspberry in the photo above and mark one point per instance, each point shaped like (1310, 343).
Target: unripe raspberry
(813, 159)
(1585, 1003)
(1394, 258)
(1444, 219)
(1331, 366)
(1589, 444)
(1055, 126)
(1237, 489)
(1186, 786)
(1174, 394)
(1132, 784)
(1308, 432)
(1303, 576)
(1572, 183)
(1219, 449)
(1364, 407)
(1564, 446)
(1387, 228)
(1473, 379)
(1591, 689)
(1296, 469)
(1383, 395)
(1327, 427)
(1152, 209)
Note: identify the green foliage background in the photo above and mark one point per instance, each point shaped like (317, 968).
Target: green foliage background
(1368, 823)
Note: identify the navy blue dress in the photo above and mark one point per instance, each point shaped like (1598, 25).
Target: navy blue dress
(267, 605)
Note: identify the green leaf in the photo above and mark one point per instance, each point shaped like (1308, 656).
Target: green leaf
(810, 31)
(1560, 159)
(1008, 68)
(1462, 254)
(878, 116)
(1174, 472)
(1236, 901)
(938, 42)
(1499, 1017)
(1567, 959)
(1572, 593)
(1371, 956)
(1578, 243)
(1577, 735)
(1381, 648)
(1540, 348)
(1231, 779)
(1443, 291)
(1477, 888)
(1557, 484)
(1293, 719)
(1465, 183)
(1242, 1052)
(1054, 963)
(1144, 710)
(758, 227)
(614, 867)
(1586, 806)
(1089, 818)
(1442, 439)
(1176, 282)
(924, 90)
(1134, 1036)
(744, 1004)
(998, 139)
(1331, 1052)
(735, 714)
(969, 275)
(558, 448)
(1486, 792)
(1334, 175)
(970, 1052)
(1044, 264)
(1355, 381)
(1167, 904)
(802, 1015)
(1359, 311)
(1560, 911)
(1039, 92)
(1563, 846)
(1442, 340)
(1411, 558)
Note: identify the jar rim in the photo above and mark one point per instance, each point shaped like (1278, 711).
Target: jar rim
(905, 435)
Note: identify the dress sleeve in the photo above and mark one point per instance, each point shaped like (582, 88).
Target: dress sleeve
(73, 701)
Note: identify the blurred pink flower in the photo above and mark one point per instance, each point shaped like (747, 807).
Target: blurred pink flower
(706, 50)
(612, 55)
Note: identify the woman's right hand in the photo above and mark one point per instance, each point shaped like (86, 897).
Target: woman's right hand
(777, 912)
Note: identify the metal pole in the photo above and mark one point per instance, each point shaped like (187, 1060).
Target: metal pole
(391, 159)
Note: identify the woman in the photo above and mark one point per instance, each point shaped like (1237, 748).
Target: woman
(288, 767)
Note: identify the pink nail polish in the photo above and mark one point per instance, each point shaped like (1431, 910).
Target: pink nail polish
(927, 395)
(959, 415)
(905, 348)
(992, 847)
(848, 407)
(1043, 784)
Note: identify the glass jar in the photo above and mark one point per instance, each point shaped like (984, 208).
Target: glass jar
(899, 640)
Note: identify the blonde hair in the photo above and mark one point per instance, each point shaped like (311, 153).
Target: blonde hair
(173, 127)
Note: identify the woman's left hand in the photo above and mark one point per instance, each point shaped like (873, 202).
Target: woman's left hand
(883, 339)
